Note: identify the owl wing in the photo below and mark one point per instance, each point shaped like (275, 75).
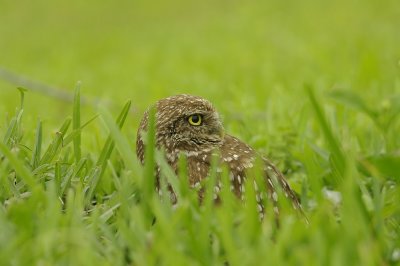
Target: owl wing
(240, 157)
(271, 171)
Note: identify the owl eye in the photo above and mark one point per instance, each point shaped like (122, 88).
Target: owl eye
(195, 120)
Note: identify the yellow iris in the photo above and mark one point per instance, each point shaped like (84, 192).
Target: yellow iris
(195, 120)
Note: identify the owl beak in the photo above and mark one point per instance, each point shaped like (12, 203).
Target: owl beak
(217, 129)
(220, 131)
(217, 132)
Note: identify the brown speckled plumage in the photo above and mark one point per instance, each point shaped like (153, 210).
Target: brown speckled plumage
(176, 135)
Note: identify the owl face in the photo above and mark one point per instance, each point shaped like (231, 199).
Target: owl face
(188, 123)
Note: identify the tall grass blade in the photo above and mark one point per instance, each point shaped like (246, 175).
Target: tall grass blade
(338, 158)
(38, 146)
(148, 180)
(13, 133)
(94, 179)
(22, 95)
(169, 174)
(115, 135)
(109, 144)
(76, 122)
(57, 177)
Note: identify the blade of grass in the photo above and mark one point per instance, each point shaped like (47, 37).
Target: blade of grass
(109, 144)
(169, 174)
(13, 187)
(10, 131)
(148, 179)
(22, 95)
(94, 179)
(73, 171)
(207, 212)
(76, 122)
(19, 167)
(226, 219)
(71, 136)
(338, 158)
(38, 146)
(56, 144)
(57, 177)
(13, 131)
(108, 147)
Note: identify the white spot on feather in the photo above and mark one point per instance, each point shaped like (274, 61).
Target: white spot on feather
(228, 159)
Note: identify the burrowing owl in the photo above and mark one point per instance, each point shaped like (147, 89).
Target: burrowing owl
(190, 125)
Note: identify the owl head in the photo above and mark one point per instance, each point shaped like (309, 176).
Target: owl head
(186, 123)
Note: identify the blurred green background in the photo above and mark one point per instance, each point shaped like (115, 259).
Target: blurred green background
(248, 52)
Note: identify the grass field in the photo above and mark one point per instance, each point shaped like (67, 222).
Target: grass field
(313, 85)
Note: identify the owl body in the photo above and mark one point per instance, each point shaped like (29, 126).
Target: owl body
(190, 125)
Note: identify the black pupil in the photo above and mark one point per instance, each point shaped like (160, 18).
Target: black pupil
(195, 118)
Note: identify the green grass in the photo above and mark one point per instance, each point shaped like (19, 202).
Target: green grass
(313, 85)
